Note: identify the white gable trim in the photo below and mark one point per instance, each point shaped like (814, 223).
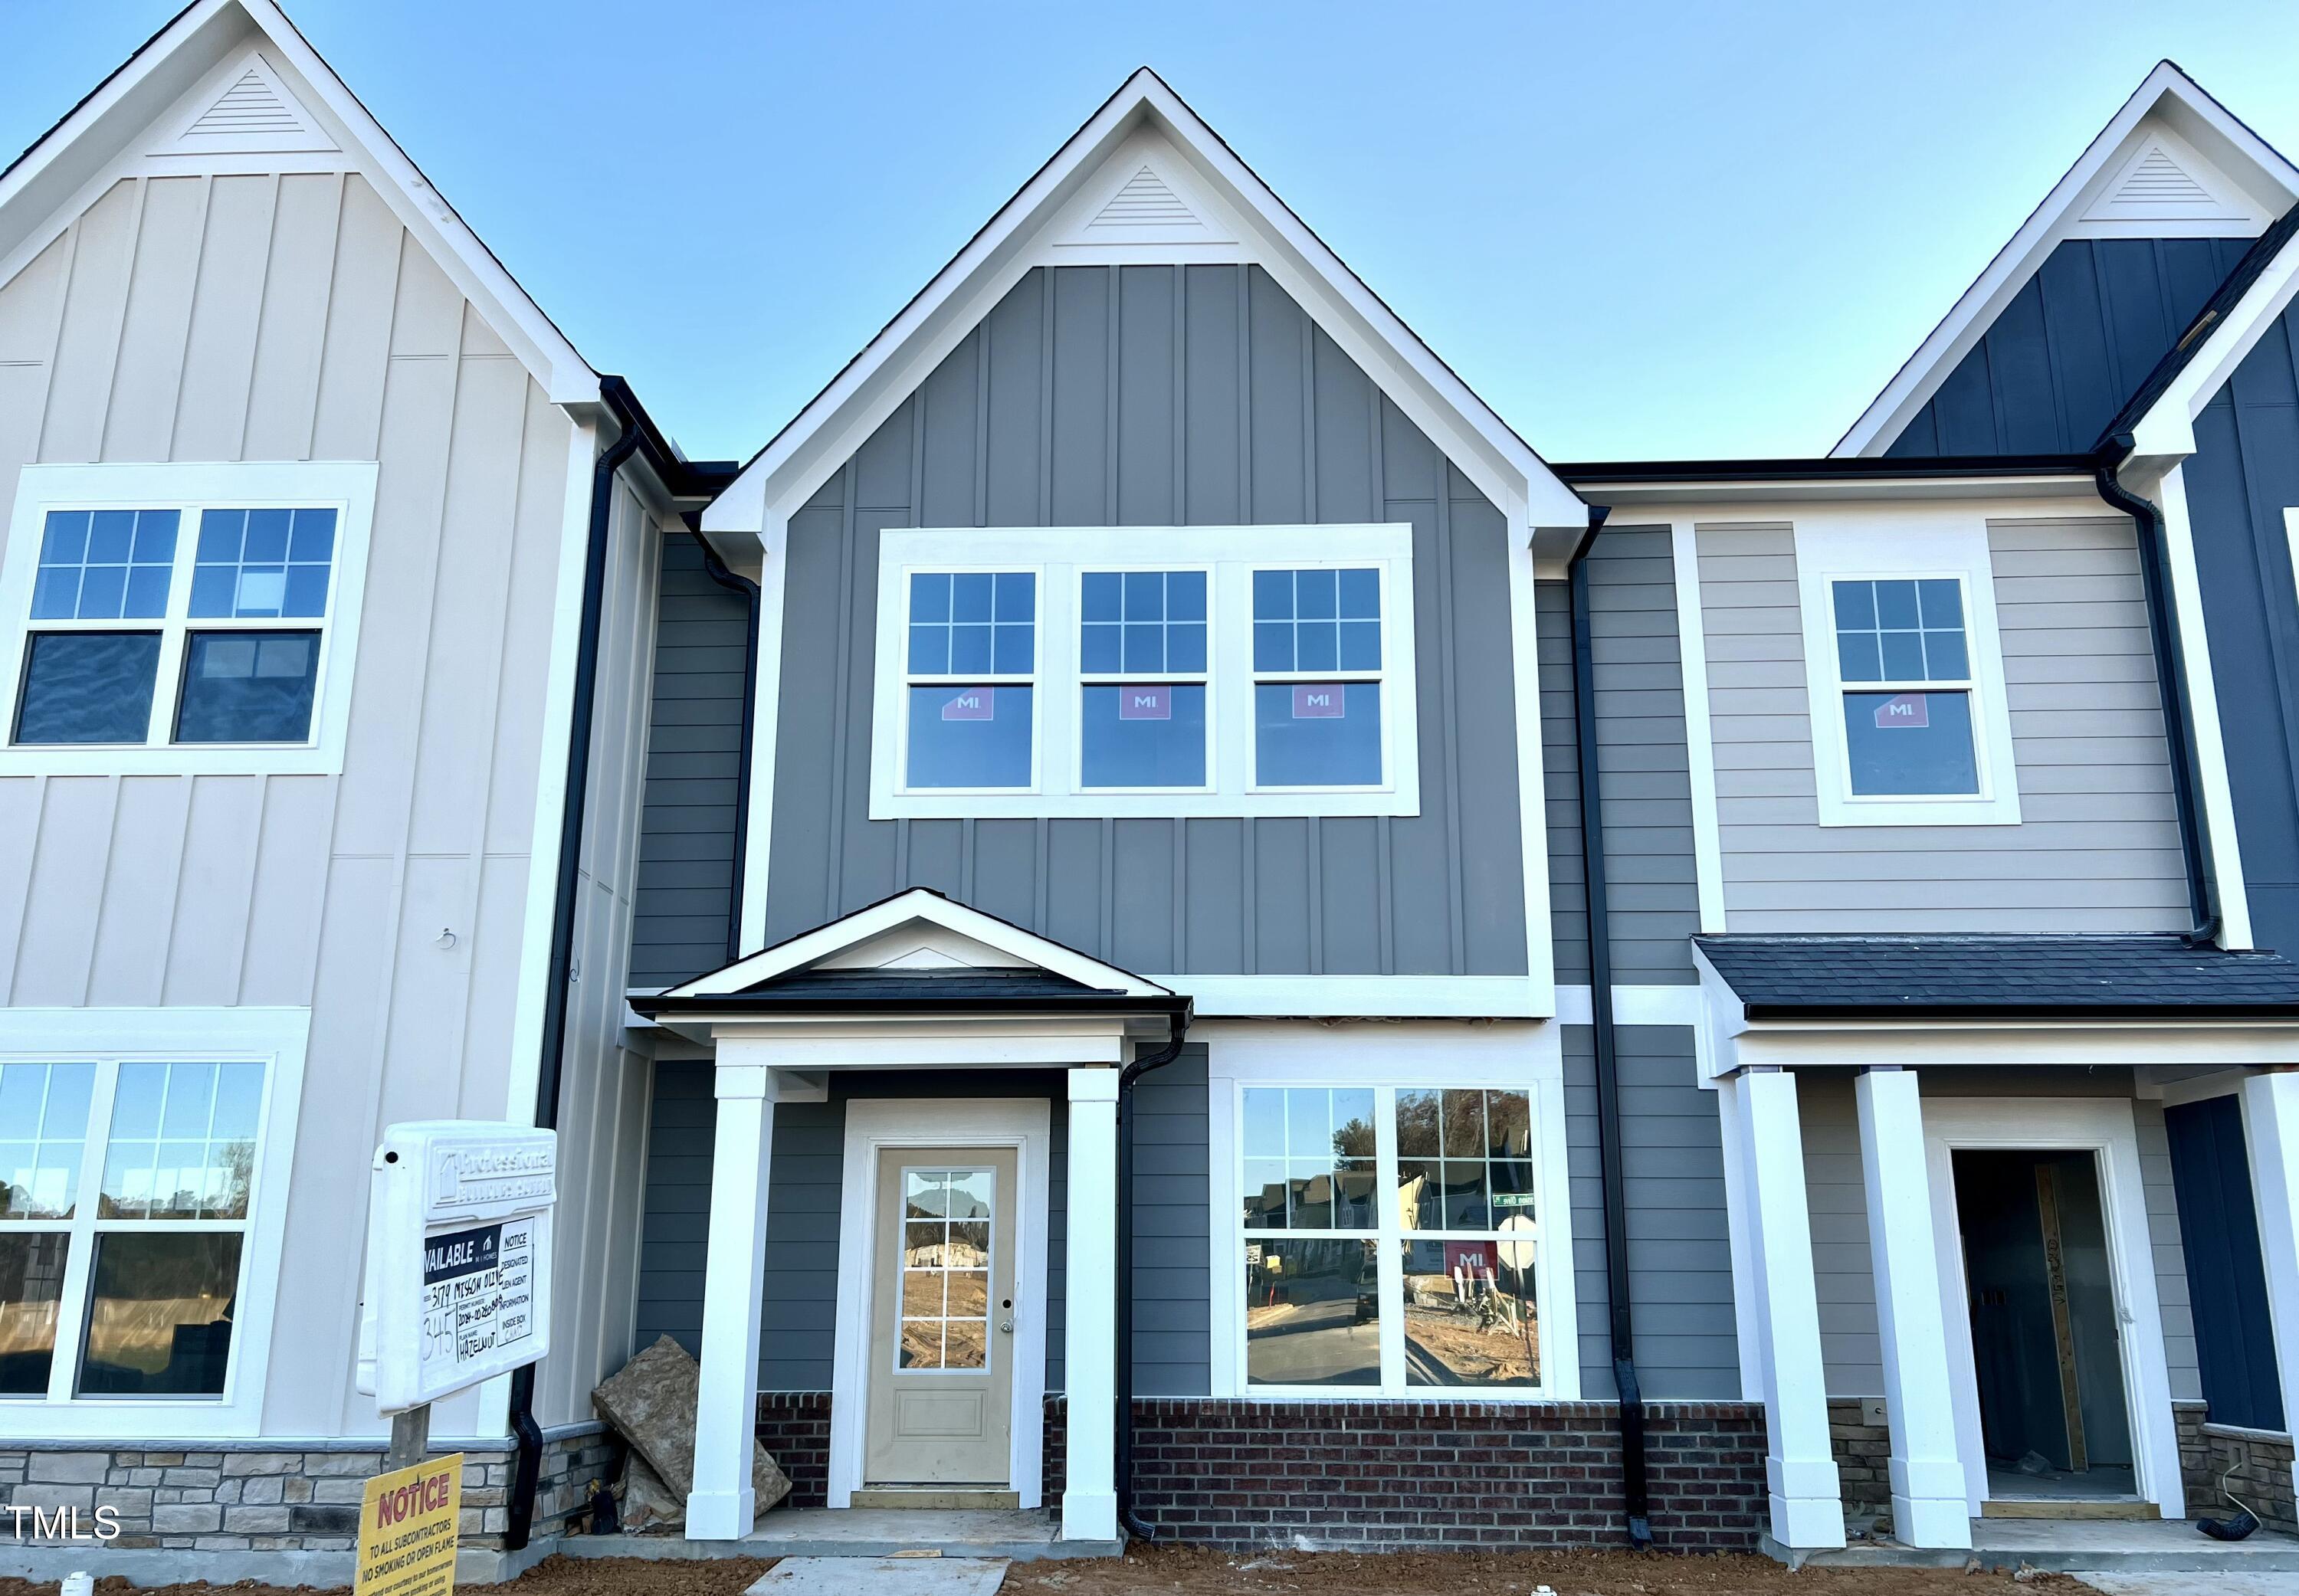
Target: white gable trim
(836, 422)
(918, 908)
(175, 78)
(2170, 111)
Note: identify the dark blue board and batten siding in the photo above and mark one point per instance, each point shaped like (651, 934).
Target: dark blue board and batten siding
(2076, 342)
(1152, 396)
(799, 1328)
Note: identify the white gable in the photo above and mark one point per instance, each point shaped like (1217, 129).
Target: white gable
(922, 945)
(1144, 180)
(2172, 163)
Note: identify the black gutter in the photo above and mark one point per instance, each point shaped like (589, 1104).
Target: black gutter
(1828, 468)
(717, 570)
(2230, 1013)
(681, 477)
(2170, 679)
(1178, 1018)
(1634, 1489)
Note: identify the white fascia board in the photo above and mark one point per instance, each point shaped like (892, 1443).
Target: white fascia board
(60, 174)
(813, 946)
(2247, 160)
(1924, 1042)
(837, 421)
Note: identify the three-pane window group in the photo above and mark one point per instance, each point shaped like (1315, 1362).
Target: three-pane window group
(1439, 1180)
(1144, 673)
(180, 626)
(124, 1193)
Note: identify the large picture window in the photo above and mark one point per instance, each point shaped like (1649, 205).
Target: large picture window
(140, 1215)
(1392, 1239)
(182, 616)
(1173, 671)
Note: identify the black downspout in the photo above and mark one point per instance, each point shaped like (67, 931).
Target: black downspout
(1634, 1493)
(519, 1518)
(2171, 682)
(1179, 1021)
(718, 571)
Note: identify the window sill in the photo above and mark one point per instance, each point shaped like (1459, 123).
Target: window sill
(2000, 811)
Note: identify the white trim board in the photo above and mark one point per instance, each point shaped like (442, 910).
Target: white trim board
(1699, 743)
(873, 1123)
(2099, 1125)
(2168, 106)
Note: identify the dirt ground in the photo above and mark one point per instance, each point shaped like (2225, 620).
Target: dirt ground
(1163, 1570)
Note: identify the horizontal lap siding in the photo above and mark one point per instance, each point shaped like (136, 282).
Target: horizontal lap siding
(2098, 848)
(800, 1325)
(1851, 1351)
(1680, 1252)
(695, 750)
(1157, 396)
(2078, 339)
(290, 316)
(2243, 474)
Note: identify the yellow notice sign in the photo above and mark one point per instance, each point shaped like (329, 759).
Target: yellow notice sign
(407, 1521)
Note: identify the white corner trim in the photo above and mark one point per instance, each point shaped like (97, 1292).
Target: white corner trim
(931, 908)
(1532, 819)
(1229, 555)
(1022, 1123)
(1521, 1058)
(1919, 542)
(2224, 841)
(277, 1036)
(2102, 1126)
(1699, 743)
(346, 486)
(2167, 99)
(766, 712)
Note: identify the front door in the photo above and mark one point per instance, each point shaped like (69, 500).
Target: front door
(941, 1318)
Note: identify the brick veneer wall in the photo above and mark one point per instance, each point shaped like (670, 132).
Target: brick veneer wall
(2215, 1460)
(253, 1496)
(1389, 1475)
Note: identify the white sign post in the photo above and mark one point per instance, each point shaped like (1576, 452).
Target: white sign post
(459, 1258)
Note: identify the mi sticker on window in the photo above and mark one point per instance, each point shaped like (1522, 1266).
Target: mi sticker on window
(1145, 703)
(1318, 701)
(1907, 709)
(970, 704)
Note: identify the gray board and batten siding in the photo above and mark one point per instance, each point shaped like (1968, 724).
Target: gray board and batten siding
(2243, 477)
(798, 1332)
(2099, 846)
(1157, 396)
(2078, 339)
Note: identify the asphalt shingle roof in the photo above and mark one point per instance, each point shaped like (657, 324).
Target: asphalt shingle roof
(2097, 976)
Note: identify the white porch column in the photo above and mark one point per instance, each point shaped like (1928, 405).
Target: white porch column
(1089, 1347)
(1807, 1505)
(1928, 1507)
(722, 1506)
(2271, 1132)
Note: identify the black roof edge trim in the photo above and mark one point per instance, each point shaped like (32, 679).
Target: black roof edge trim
(1091, 1002)
(683, 477)
(2031, 1011)
(1854, 468)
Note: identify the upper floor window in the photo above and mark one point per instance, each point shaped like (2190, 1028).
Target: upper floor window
(143, 1180)
(1247, 671)
(182, 616)
(1909, 721)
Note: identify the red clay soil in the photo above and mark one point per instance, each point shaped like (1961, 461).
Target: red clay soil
(1194, 1573)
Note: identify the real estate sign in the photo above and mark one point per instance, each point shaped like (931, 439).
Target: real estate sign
(408, 1522)
(459, 1258)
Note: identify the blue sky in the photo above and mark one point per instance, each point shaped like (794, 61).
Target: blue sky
(1638, 230)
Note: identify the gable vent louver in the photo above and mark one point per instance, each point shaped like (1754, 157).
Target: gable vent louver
(249, 106)
(1145, 201)
(2158, 181)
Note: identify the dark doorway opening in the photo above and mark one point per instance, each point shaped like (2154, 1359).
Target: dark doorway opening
(2045, 1347)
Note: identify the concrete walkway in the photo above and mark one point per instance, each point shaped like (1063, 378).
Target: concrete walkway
(1016, 1536)
(2106, 1547)
(882, 1576)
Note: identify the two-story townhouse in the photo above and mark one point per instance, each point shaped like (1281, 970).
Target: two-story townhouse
(1159, 1082)
(1980, 750)
(326, 560)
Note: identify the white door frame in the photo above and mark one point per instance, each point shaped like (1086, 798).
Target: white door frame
(2104, 1127)
(873, 1123)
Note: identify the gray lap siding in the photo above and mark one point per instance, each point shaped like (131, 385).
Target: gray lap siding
(1163, 396)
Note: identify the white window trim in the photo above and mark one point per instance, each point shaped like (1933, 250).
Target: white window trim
(1057, 555)
(1921, 544)
(346, 486)
(1502, 1057)
(274, 1036)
